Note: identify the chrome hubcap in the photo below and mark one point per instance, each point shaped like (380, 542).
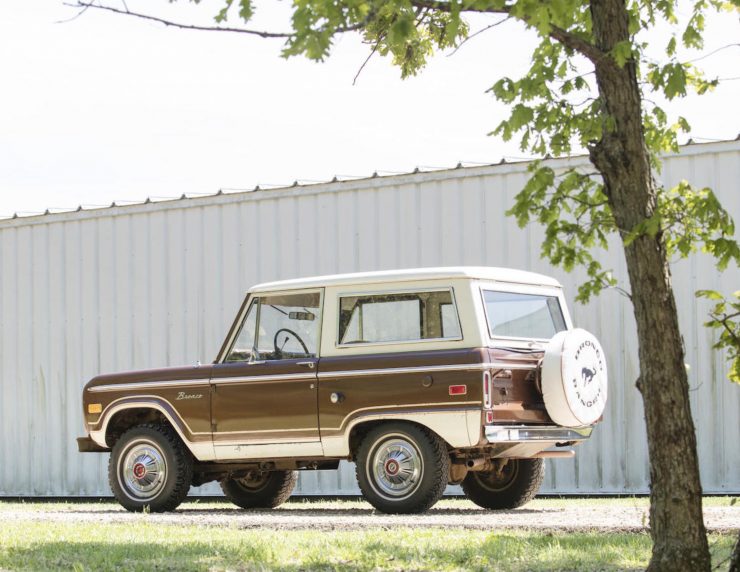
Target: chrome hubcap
(395, 467)
(142, 470)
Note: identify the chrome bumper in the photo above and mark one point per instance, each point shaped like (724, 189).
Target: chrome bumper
(523, 433)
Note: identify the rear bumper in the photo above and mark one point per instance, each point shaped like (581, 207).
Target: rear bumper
(87, 445)
(535, 433)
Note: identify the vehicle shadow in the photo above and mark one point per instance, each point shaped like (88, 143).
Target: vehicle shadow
(359, 511)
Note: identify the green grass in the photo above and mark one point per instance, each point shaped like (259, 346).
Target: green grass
(148, 545)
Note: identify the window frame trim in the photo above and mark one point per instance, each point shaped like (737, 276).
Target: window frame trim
(348, 294)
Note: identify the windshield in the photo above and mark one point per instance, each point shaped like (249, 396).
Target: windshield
(516, 315)
(279, 326)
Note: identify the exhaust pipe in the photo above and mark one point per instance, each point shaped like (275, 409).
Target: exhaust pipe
(473, 463)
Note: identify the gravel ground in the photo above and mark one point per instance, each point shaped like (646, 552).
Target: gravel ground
(541, 515)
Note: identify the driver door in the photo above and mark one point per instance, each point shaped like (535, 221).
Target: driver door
(264, 393)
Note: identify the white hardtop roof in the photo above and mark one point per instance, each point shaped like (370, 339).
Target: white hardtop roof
(509, 275)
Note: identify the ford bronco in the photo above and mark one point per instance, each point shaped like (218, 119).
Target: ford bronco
(422, 378)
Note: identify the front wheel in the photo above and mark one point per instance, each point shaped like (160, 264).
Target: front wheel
(402, 468)
(511, 486)
(150, 469)
(260, 489)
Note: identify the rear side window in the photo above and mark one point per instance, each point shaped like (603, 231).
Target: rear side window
(398, 317)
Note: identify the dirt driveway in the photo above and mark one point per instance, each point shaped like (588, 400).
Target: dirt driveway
(628, 515)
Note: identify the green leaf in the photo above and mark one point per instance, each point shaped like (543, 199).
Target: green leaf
(671, 47)
(622, 52)
(709, 294)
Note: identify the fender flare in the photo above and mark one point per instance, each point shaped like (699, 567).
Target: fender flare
(202, 451)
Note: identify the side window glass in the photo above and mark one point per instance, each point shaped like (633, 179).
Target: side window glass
(288, 326)
(397, 317)
(381, 321)
(450, 323)
(244, 344)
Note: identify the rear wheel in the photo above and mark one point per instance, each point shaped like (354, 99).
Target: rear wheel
(402, 468)
(150, 468)
(258, 489)
(513, 485)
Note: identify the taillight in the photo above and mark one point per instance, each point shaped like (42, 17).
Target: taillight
(487, 390)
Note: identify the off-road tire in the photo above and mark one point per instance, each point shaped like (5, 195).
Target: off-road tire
(178, 464)
(434, 468)
(500, 494)
(278, 486)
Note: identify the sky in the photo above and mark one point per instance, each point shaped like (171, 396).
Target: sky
(110, 108)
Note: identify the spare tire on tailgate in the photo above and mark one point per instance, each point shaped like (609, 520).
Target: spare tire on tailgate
(574, 378)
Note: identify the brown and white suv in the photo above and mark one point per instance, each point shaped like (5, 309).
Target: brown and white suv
(420, 377)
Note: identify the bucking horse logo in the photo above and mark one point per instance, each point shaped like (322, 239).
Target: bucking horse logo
(588, 375)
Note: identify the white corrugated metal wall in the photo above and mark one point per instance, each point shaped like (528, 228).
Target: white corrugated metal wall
(158, 284)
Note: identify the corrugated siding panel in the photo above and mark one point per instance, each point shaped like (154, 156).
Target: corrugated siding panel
(158, 284)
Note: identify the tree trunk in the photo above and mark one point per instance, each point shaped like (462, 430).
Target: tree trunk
(735, 557)
(621, 156)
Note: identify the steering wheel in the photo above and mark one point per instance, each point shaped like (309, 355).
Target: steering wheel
(278, 351)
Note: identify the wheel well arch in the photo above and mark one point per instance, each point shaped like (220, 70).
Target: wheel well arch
(358, 431)
(122, 420)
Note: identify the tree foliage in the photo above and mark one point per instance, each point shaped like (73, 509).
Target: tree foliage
(725, 318)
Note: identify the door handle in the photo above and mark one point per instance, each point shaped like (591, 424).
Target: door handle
(308, 364)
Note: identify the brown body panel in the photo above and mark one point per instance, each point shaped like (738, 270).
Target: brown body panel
(290, 400)
(180, 399)
(377, 391)
(272, 401)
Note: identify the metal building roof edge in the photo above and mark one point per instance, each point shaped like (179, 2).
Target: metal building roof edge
(335, 184)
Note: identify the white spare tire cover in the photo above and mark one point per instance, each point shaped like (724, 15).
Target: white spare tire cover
(574, 382)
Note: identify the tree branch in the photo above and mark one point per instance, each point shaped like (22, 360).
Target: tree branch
(80, 13)
(724, 320)
(367, 59)
(446, 7)
(568, 39)
(711, 53)
(126, 12)
(473, 35)
(619, 289)
(586, 49)
(261, 33)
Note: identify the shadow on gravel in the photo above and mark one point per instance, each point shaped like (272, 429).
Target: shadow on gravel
(300, 512)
